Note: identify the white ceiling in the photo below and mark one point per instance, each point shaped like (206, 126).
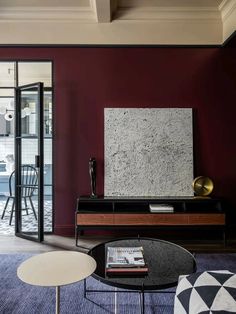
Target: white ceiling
(44, 3)
(173, 3)
(100, 9)
(116, 21)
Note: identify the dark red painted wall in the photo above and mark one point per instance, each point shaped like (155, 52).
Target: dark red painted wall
(88, 79)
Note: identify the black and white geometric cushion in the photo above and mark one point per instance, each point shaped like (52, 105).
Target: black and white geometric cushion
(206, 292)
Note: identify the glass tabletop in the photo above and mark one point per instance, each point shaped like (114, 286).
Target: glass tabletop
(166, 261)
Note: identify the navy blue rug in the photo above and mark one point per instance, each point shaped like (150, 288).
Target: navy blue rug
(17, 297)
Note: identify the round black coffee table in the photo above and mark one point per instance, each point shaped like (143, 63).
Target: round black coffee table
(166, 261)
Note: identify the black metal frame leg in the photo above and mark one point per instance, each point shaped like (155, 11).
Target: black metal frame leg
(142, 301)
(85, 288)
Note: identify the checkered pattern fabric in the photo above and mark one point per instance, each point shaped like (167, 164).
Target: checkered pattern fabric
(208, 292)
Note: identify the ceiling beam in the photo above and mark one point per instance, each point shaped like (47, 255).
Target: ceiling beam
(102, 10)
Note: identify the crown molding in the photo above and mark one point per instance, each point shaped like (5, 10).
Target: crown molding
(95, 13)
(47, 13)
(226, 8)
(120, 33)
(228, 15)
(168, 13)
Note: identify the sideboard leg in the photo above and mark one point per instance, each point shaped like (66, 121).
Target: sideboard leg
(224, 238)
(76, 236)
(81, 232)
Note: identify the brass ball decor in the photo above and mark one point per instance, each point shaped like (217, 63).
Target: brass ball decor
(202, 186)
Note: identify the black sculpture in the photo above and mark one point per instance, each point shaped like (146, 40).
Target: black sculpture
(92, 173)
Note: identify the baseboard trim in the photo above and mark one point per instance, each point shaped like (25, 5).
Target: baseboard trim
(64, 230)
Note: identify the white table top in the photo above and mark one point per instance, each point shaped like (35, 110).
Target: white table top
(57, 268)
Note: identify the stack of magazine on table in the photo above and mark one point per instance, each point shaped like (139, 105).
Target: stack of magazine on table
(161, 208)
(125, 261)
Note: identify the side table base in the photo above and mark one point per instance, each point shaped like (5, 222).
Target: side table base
(58, 300)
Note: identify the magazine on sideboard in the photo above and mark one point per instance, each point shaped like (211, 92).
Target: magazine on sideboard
(125, 260)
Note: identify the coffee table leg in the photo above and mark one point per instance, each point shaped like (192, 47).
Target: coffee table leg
(142, 301)
(58, 300)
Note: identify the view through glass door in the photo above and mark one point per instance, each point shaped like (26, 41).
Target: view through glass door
(29, 164)
(12, 75)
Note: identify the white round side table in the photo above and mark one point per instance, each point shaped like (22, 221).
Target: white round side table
(56, 269)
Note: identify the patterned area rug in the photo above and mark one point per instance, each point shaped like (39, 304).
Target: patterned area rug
(17, 297)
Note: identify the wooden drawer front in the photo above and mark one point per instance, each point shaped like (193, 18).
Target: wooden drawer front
(94, 219)
(130, 219)
(207, 219)
(169, 219)
(150, 219)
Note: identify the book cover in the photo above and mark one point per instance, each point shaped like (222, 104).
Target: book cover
(125, 257)
(127, 271)
(161, 208)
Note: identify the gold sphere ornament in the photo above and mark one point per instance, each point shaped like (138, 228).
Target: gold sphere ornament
(202, 186)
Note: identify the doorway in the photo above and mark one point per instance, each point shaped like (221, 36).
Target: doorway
(12, 75)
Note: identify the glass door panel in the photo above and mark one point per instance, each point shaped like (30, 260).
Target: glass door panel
(48, 191)
(48, 201)
(29, 175)
(29, 187)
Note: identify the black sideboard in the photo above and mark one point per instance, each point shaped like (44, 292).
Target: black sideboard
(110, 213)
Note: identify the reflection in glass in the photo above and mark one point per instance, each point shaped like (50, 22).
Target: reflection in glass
(47, 113)
(48, 205)
(48, 208)
(28, 113)
(29, 100)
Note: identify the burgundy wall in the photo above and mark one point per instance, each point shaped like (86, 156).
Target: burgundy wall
(88, 79)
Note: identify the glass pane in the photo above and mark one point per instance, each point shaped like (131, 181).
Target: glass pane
(29, 150)
(29, 173)
(29, 187)
(48, 160)
(48, 184)
(29, 101)
(47, 113)
(6, 116)
(6, 154)
(7, 74)
(30, 72)
(48, 208)
(5, 92)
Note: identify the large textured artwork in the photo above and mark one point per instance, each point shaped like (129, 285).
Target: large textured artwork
(148, 152)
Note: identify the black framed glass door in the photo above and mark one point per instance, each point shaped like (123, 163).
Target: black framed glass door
(29, 162)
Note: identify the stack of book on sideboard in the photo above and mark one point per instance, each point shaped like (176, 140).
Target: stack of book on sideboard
(161, 208)
(125, 261)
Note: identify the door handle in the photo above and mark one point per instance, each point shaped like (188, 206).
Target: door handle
(37, 159)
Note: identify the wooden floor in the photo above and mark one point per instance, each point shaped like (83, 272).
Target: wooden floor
(12, 244)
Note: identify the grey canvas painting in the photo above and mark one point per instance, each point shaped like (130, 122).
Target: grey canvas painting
(148, 152)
